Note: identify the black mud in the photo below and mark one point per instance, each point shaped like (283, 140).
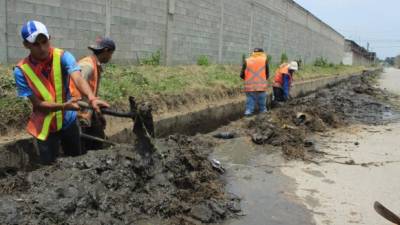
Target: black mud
(116, 186)
(354, 101)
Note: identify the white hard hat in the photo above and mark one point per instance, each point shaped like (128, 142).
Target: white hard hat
(31, 30)
(293, 66)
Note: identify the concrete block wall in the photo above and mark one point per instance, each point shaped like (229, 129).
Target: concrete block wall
(138, 27)
(73, 24)
(279, 26)
(183, 30)
(195, 30)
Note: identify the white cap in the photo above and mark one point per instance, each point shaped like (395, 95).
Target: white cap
(32, 29)
(293, 66)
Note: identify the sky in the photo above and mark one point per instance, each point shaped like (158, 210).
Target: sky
(376, 22)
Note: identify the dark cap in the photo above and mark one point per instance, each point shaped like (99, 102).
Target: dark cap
(258, 50)
(102, 43)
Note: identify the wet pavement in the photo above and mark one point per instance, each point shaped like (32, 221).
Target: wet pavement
(254, 175)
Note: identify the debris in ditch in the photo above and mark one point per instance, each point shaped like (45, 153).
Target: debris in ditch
(356, 100)
(217, 166)
(308, 143)
(302, 118)
(225, 135)
(350, 162)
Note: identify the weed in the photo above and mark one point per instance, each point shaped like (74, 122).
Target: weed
(203, 60)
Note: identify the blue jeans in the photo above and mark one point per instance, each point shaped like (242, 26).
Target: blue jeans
(253, 98)
(69, 140)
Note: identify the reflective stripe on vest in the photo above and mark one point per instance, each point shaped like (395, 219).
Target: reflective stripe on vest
(58, 85)
(255, 74)
(46, 94)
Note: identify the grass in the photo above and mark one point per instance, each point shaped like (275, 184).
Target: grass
(14, 111)
(149, 82)
(144, 81)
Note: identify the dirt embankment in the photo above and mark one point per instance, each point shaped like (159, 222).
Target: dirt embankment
(116, 186)
(356, 100)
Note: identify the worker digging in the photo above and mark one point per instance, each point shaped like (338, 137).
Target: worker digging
(43, 77)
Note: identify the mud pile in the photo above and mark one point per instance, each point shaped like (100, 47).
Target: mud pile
(356, 100)
(116, 186)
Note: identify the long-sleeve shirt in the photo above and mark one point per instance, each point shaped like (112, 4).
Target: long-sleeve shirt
(242, 73)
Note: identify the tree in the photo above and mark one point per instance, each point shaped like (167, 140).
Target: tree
(390, 61)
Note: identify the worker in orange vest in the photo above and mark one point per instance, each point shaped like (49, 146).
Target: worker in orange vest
(43, 77)
(283, 81)
(91, 123)
(255, 73)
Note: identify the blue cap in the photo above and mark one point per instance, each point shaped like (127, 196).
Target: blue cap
(102, 43)
(31, 30)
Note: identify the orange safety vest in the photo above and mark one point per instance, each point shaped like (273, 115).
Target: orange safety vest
(255, 76)
(278, 79)
(93, 81)
(49, 89)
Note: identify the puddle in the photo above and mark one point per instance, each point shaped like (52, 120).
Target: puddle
(267, 195)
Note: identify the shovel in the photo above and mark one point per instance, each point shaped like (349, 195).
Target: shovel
(142, 118)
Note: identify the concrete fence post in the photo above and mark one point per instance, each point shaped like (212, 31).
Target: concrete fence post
(108, 18)
(251, 25)
(221, 32)
(168, 46)
(3, 32)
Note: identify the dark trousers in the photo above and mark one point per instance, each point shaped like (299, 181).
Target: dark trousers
(97, 130)
(279, 95)
(69, 140)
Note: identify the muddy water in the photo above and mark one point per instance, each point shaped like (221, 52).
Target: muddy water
(253, 173)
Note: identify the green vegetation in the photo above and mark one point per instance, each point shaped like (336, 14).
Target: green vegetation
(269, 57)
(284, 58)
(244, 57)
(311, 72)
(145, 81)
(322, 62)
(154, 59)
(14, 111)
(203, 60)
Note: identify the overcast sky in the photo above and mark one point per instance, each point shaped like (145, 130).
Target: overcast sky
(373, 21)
